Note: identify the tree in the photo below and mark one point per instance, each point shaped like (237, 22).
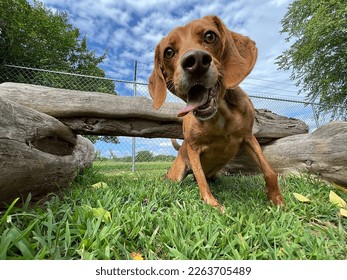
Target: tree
(35, 36)
(142, 156)
(106, 139)
(317, 57)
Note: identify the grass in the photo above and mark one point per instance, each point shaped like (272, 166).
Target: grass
(140, 212)
(111, 168)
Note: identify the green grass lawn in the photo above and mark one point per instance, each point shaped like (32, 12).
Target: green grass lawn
(110, 168)
(141, 212)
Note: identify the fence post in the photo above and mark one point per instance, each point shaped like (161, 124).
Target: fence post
(315, 115)
(134, 138)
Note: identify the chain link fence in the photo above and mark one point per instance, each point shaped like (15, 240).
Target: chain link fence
(131, 153)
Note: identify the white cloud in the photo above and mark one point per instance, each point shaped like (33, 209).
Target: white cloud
(280, 2)
(166, 143)
(131, 29)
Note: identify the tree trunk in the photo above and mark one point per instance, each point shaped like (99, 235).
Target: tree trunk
(322, 152)
(38, 154)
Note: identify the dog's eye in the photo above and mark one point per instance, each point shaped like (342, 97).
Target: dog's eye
(210, 37)
(169, 53)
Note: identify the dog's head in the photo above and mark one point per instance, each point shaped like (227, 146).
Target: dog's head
(197, 62)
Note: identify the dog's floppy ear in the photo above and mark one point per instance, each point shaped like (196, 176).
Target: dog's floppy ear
(157, 85)
(238, 57)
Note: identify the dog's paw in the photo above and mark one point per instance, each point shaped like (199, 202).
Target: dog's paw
(276, 199)
(214, 203)
(221, 209)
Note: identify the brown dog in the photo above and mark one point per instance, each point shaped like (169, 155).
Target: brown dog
(203, 63)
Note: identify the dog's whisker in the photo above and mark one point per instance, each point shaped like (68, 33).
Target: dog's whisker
(170, 85)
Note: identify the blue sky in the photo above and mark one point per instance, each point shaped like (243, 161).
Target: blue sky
(131, 30)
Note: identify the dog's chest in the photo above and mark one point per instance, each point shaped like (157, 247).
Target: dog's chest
(218, 153)
(221, 148)
(220, 123)
(218, 141)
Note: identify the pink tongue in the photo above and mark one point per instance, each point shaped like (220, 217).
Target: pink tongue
(196, 101)
(190, 107)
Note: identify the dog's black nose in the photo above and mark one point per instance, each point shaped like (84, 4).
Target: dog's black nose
(196, 62)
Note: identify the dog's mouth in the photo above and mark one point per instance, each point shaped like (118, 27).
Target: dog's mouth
(202, 101)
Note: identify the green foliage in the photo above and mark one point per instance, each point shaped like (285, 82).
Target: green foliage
(35, 36)
(148, 156)
(119, 166)
(143, 213)
(107, 139)
(144, 156)
(317, 30)
(30, 35)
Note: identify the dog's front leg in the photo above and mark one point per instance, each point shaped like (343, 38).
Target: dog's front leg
(205, 192)
(178, 170)
(272, 189)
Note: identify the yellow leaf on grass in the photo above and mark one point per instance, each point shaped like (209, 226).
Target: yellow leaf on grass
(343, 212)
(335, 199)
(280, 252)
(100, 185)
(102, 213)
(300, 197)
(136, 256)
(339, 187)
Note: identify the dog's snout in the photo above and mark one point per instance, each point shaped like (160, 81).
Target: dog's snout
(196, 62)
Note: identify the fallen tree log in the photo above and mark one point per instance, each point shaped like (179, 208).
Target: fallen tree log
(269, 126)
(106, 114)
(136, 127)
(322, 153)
(38, 154)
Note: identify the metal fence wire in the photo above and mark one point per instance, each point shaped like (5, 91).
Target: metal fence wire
(138, 153)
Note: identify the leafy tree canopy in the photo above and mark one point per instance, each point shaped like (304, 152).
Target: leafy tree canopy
(36, 36)
(317, 57)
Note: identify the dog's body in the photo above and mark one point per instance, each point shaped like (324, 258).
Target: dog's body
(203, 63)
